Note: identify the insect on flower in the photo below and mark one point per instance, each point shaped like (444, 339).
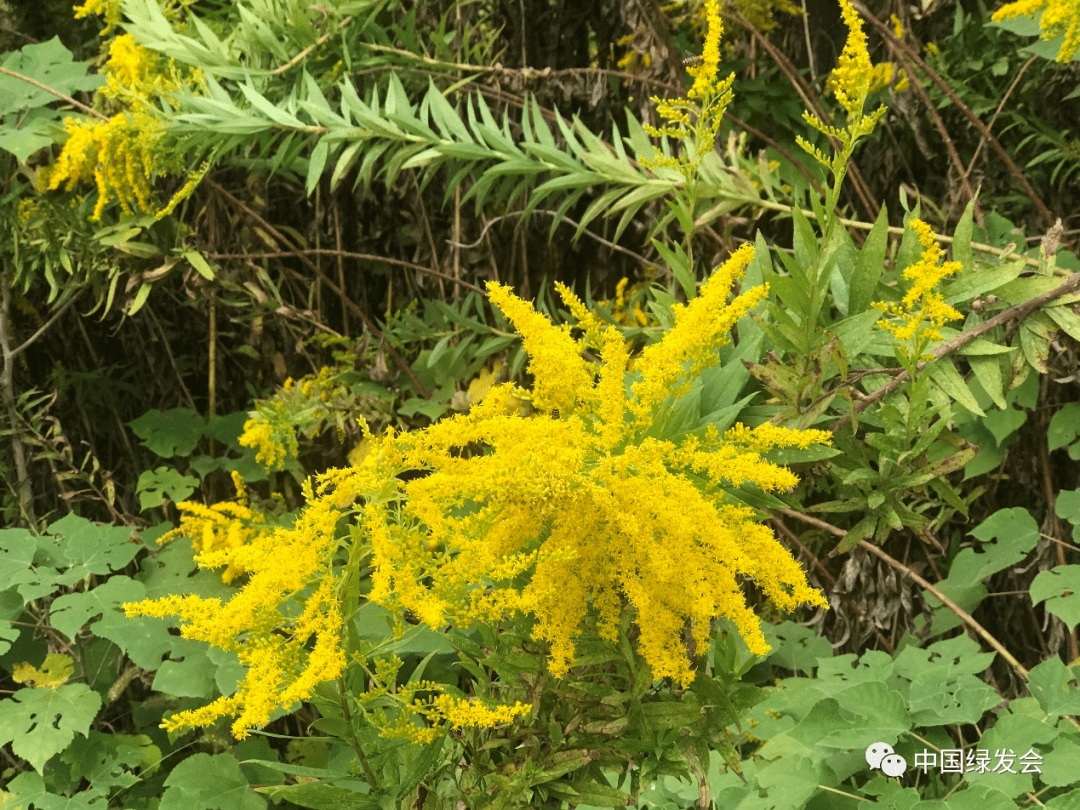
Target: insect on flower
(693, 60)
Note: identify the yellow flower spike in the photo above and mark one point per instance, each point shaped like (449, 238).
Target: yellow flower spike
(851, 79)
(705, 73)
(562, 376)
(922, 311)
(700, 328)
(695, 119)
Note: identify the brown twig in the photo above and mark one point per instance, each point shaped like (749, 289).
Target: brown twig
(347, 254)
(922, 583)
(74, 102)
(300, 254)
(296, 59)
(1017, 313)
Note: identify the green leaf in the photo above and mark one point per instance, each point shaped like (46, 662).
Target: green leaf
(70, 612)
(961, 246)
(316, 164)
(40, 723)
(1059, 587)
(154, 486)
(49, 63)
(1007, 536)
(205, 782)
(84, 547)
(202, 267)
(173, 433)
(1054, 685)
(948, 379)
(1064, 426)
(444, 116)
(944, 687)
(269, 109)
(321, 796)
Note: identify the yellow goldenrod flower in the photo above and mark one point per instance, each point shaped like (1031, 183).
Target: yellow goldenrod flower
(695, 119)
(851, 83)
(594, 511)
(923, 311)
(579, 511)
(1060, 18)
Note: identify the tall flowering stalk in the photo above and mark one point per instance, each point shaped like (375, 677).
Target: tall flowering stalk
(693, 122)
(851, 82)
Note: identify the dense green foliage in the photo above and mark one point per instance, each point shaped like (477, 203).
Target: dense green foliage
(261, 413)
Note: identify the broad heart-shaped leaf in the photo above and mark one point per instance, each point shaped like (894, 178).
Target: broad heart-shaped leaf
(796, 647)
(85, 548)
(980, 797)
(34, 132)
(1016, 732)
(871, 712)
(155, 485)
(17, 550)
(944, 688)
(49, 63)
(173, 433)
(1059, 765)
(1014, 532)
(188, 672)
(1054, 685)
(70, 612)
(40, 723)
(109, 760)
(1060, 587)
(205, 782)
(28, 789)
(879, 714)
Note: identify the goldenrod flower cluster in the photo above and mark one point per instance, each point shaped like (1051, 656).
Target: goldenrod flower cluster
(1060, 18)
(284, 624)
(923, 310)
(583, 507)
(695, 120)
(225, 525)
(124, 153)
(303, 406)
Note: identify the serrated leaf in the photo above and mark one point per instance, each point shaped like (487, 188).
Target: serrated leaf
(205, 782)
(40, 723)
(1059, 587)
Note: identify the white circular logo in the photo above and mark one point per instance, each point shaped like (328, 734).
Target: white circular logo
(893, 765)
(875, 753)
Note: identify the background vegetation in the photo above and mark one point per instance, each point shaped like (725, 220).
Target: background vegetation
(231, 230)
